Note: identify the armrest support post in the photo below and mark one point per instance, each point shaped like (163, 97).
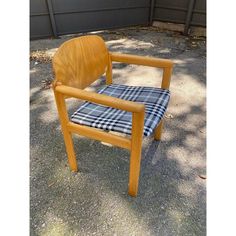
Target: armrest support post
(166, 77)
(109, 72)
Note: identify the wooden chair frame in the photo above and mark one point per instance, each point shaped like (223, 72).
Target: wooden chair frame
(134, 143)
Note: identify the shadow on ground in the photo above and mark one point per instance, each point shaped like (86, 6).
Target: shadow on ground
(94, 201)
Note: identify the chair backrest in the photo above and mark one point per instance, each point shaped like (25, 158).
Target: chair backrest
(80, 61)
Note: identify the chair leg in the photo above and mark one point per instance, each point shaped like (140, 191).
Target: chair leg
(135, 156)
(70, 151)
(158, 131)
(61, 106)
(135, 160)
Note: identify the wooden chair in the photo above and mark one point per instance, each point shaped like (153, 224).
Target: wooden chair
(77, 64)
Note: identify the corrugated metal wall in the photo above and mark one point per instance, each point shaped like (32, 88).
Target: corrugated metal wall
(58, 17)
(176, 11)
(73, 16)
(40, 24)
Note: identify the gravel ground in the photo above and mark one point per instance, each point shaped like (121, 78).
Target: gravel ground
(94, 201)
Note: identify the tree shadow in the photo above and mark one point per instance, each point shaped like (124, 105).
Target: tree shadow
(171, 198)
(170, 201)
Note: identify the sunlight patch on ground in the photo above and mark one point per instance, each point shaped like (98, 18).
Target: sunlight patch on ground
(34, 70)
(176, 215)
(139, 76)
(51, 52)
(189, 85)
(187, 92)
(33, 91)
(179, 61)
(187, 189)
(54, 226)
(193, 141)
(129, 44)
(165, 50)
(185, 158)
(121, 210)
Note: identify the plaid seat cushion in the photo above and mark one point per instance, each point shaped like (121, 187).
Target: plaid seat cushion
(111, 119)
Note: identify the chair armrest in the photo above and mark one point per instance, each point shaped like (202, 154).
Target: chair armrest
(100, 99)
(166, 65)
(141, 60)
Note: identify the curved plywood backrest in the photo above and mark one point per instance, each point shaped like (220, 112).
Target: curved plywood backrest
(80, 61)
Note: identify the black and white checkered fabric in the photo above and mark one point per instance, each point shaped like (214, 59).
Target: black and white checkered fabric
(111, 119)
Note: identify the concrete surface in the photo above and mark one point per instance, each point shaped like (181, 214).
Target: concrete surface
(193, 30)
(94, 201)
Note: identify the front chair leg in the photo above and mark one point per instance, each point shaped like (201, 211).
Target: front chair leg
(158, 131)
(136, 149)
(61, 106)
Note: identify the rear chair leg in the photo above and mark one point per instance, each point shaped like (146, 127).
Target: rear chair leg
(70, 151)
(158, 131)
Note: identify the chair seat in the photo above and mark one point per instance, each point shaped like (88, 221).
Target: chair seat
(111, 119)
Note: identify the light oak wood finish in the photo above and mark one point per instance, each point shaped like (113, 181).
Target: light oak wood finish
(158, 131)
(141, 60)
(80, 61)
(136, 149)
(100, 99)
(109, 72)
(166, 65)
(61, 107)
(77, 64)
(166, 77)
(99, 135)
